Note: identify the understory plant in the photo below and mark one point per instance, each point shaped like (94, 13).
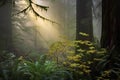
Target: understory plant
(13, 68)
(66, 60)
(109, 67)
(43, 69)
(83, 63)
(79, 57)
(60, 50)
(8, 67)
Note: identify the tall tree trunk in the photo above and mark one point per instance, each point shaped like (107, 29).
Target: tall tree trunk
(5, 27)
(84, 19)
(110, 28)
(111, 35)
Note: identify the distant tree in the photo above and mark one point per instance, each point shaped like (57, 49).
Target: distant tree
(84, 19)
(5, 20)
(5, 26)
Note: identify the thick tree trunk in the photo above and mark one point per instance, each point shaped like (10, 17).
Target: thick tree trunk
(111, 35)
(84, 19)
(110, 28)
(5, 27)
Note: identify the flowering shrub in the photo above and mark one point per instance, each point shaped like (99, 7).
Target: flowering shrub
(83, 63)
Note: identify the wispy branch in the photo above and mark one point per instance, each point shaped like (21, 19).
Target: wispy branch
(41, 6)
(30, 6)
(24, 10)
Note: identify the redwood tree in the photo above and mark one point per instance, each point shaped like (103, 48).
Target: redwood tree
(110, 26)
(111, 36)
(84, 19)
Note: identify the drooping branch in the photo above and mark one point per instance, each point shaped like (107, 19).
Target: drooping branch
(41, 6)
(30, 7)
(24, 10)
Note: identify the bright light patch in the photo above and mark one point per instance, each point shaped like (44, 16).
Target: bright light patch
(48, 30)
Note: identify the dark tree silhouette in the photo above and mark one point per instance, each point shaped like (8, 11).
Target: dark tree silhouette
(5, 26)
(84, 19)
(111, 35)
(30, 7)
(110, 27)
(5, 20)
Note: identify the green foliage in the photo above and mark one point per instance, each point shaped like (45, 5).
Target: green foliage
(109, 67)
(8, 67)
(88, 62)
(59, 50)
(21, 69)
(81, 63)
(42, 70)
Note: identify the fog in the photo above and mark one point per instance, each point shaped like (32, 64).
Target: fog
(31, 33)
(97, 18)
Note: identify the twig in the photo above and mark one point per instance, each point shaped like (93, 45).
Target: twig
(30, 6)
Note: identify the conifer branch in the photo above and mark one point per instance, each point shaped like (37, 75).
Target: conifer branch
(30, 6)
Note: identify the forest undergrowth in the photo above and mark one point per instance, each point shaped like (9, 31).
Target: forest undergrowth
(65, 60)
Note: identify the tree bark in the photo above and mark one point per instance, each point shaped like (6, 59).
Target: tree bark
(111, 35)
(110, 27)
(84, 19)
(5, 27)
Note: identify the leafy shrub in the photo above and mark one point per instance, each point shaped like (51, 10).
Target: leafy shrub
(82, 62)
(43, 70)
(109, 67)
(59, 50)
(8, 67)
(13, 68)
